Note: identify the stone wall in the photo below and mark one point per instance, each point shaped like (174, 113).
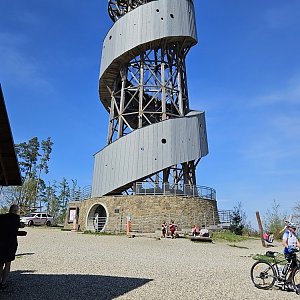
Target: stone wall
(146, 212)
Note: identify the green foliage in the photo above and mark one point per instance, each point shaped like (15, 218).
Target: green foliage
(64, 193)
(274, 220)
(249, 231)
(47, 149)
(296, 215)
(52, 202)
(238, 220)
(33, 158)
(34, 194)
(28, 154)
(228, 236)
(263, 257)
(59, 194)
(23, 195)
(4, 209)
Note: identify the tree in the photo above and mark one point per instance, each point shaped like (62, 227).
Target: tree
(23, 195)
(46, 148)
(52, 202)
(75, 191)
(57, 197)
(274, 220)
(238, 219)
(296, 215)
(63, 198)
(32, 162)
(28, 155)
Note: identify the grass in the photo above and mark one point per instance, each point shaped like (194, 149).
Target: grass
(228, 236)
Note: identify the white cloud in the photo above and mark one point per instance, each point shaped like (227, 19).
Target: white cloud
(272, 143)
(288, 126)
(289, 94)
(285, 16)
(18, 68)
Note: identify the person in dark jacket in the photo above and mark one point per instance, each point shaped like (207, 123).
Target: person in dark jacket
(9, 226)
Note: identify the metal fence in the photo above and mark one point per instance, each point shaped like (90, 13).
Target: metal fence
(96, 224)
(225, 218)
(160, 188)
(82, 194)
(167, 189)
(151, 223)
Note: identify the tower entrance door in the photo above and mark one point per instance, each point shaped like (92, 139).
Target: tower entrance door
(97, 218)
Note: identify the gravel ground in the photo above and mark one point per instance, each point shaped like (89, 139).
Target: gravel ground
(55, 264)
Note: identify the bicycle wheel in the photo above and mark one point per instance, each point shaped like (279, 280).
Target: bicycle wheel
(263, 275)
(296, 279)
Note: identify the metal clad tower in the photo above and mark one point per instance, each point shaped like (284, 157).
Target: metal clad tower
(153, 135)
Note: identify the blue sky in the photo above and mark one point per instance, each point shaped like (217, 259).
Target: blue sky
(244, 73)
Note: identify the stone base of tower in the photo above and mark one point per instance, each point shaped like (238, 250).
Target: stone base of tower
(143, 213)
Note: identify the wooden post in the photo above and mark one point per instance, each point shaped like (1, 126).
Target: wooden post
(74, 228)
(260, 229)
(128, 225)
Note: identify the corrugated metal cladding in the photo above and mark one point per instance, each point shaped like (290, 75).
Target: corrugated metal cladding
(147, 24)
(149, 150)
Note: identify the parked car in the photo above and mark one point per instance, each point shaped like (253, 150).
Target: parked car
(37, 219)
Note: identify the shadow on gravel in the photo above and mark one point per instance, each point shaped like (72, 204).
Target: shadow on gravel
(28, 285)
(23, 254)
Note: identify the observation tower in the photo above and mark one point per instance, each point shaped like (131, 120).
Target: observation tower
(146, 174)
(155, 140)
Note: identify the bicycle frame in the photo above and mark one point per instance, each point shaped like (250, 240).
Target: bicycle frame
(280, 276)
(264, 274)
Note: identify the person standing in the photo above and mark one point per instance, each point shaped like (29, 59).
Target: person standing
(9, 226)
(290, 243)
(96, 222)
(164, 229)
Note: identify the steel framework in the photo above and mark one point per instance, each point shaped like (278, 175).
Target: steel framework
(118, 8)
(143, 82)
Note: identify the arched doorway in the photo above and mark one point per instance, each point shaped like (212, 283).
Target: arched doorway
(97, 218)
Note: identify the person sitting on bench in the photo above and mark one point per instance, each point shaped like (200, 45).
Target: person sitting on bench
(268, 237)
(195, 230)
(204, 231)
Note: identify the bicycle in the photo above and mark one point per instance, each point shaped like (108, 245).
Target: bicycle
(265, 274)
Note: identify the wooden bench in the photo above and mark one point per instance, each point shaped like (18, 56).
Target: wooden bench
(199, 238)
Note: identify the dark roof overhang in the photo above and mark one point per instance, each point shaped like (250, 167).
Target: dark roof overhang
(9, 166)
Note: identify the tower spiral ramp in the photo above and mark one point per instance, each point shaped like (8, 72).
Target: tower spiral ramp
(153, 135)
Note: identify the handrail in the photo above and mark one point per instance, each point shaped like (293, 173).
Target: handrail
(167, 189)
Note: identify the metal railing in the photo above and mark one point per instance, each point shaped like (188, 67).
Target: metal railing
(160, 188)
(96, 224)
(82, 194)
(214, 220)
(225, 217)
(167, 189)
